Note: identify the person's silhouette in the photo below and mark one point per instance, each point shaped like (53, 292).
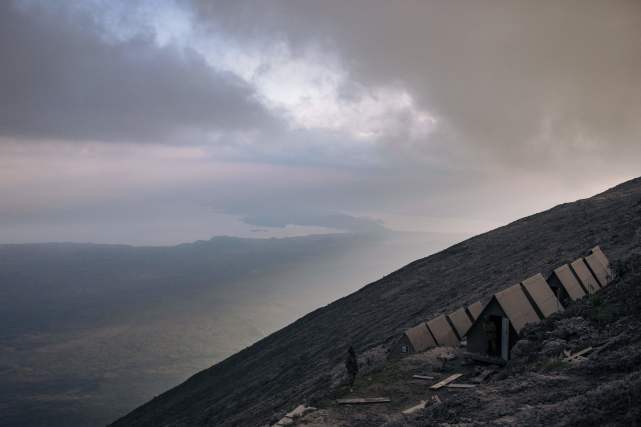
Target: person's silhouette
(351, 364)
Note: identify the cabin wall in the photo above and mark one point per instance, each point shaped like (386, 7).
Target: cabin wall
(396, 350)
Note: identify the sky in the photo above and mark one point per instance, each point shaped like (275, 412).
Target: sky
(160, 122)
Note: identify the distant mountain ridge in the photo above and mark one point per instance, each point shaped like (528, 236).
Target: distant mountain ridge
(292, 365)
(90, 272)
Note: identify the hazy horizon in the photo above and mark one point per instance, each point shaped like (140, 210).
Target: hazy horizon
(163, 122)
(239, 227)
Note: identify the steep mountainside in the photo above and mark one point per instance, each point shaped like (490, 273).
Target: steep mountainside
(294, 364)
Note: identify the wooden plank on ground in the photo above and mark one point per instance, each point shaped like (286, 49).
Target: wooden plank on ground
(578, 355)
(415, 408)
(483, 376)
(422, 377)
(363, 400)
(461, 386)
(285, 421)
(446, 381)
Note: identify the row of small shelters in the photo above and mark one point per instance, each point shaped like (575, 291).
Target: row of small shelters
(493, 329)
(444, 330)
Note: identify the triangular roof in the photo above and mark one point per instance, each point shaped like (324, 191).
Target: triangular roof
(420, 337)
(516, 307)
(569, 282)
(539, 290)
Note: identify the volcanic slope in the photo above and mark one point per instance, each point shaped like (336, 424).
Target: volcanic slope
(295, 364)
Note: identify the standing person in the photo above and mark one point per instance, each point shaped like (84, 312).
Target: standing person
(351, 364)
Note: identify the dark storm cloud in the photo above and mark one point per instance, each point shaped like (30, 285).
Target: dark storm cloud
(62, 79)
(508, 80)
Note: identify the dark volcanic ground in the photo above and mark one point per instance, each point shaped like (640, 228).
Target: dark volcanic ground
(295, 363)
(539, 388)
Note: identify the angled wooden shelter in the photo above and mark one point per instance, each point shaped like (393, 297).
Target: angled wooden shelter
(517, 307)
(414, 340)
(565, 284)
(597, 269)
(461, 321)
(601, 257)
(442, 331)
(588, 281)
(539, 292)
(474, 310)
(496, 329)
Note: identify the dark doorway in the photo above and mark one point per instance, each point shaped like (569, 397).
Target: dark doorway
(492, 329)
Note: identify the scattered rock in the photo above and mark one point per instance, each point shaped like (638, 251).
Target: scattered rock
(372, 360)
(522, 348)
(290, 417)
(566, 329)
(553, 347)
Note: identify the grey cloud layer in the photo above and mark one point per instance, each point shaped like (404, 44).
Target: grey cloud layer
(62, 79)
(537, 102)
(507, 79)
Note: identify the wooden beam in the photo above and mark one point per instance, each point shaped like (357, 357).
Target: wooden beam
(483, 376)
(446, 381)
(363, 400)
(461, 386)
(415, 408)
(578, 355)
(422, 377)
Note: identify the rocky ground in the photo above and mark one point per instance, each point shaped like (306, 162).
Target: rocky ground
(537, 387)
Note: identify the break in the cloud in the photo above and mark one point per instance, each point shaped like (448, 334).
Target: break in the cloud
(310, 113)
